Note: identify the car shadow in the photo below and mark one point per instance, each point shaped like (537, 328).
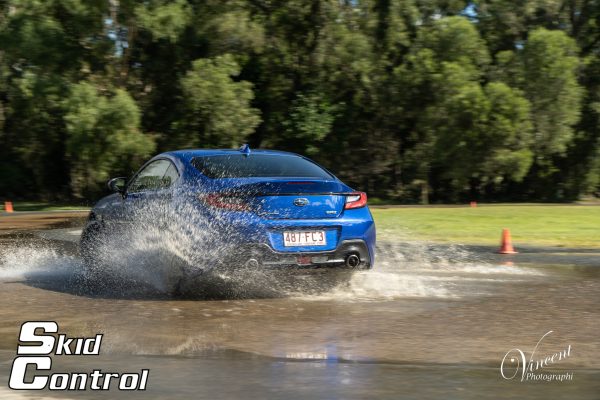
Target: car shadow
(206, 287)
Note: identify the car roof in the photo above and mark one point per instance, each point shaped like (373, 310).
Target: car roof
(189, 154)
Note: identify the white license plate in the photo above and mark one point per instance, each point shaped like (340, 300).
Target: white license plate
(304, 238)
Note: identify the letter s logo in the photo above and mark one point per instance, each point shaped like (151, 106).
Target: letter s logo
(28, 335)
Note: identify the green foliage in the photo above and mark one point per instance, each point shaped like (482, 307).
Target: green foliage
(309, 122)
(218, 108)
(411, 100)
(235, 32)
(550, 82)
(101, 132)
(455, 40)
(450, 129)
(164, 19)
(508, 135)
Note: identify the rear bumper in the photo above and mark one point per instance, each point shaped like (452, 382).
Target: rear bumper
(266, 257)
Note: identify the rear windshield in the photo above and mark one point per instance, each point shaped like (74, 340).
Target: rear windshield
(258, 165)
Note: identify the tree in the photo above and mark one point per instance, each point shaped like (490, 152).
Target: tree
(440, 87)
(309, 122)
(550, 65)
(218, 108)
(505, 152)
(164, 19)
(44, 46)
(439, 100)
(102, 135)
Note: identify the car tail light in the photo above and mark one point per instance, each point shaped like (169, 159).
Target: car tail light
(226, 202)
(356, 200)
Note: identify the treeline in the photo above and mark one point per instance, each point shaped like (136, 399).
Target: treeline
(410, 100)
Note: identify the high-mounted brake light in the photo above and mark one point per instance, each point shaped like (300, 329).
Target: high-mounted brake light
(225, 202)
(356, 200)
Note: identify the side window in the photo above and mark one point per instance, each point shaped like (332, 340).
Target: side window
(171, 175)
(151, 177)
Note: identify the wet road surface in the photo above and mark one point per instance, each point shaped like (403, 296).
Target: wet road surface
(428, 322)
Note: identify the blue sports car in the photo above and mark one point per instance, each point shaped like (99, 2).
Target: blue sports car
(264, 209)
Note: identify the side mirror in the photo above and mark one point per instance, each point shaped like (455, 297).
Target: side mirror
(117, 185)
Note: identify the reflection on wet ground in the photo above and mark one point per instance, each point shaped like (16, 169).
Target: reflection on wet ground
(429, 322)
(242, 376)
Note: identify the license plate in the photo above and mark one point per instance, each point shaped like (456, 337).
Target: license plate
(304, 238)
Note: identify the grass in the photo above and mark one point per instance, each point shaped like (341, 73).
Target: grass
(531, 224)
(41, 206)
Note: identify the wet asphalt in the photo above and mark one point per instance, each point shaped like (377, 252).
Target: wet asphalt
(430, 321)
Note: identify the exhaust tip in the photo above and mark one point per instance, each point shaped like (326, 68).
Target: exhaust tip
(352, 261)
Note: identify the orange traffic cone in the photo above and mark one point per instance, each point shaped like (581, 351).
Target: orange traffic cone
(506, 246)
(8, 206)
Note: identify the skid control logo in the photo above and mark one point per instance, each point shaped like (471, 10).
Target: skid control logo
(516, 365)
(40, 339)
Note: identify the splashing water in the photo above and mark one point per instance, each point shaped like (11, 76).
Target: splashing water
(36, 263)
(149, 260)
